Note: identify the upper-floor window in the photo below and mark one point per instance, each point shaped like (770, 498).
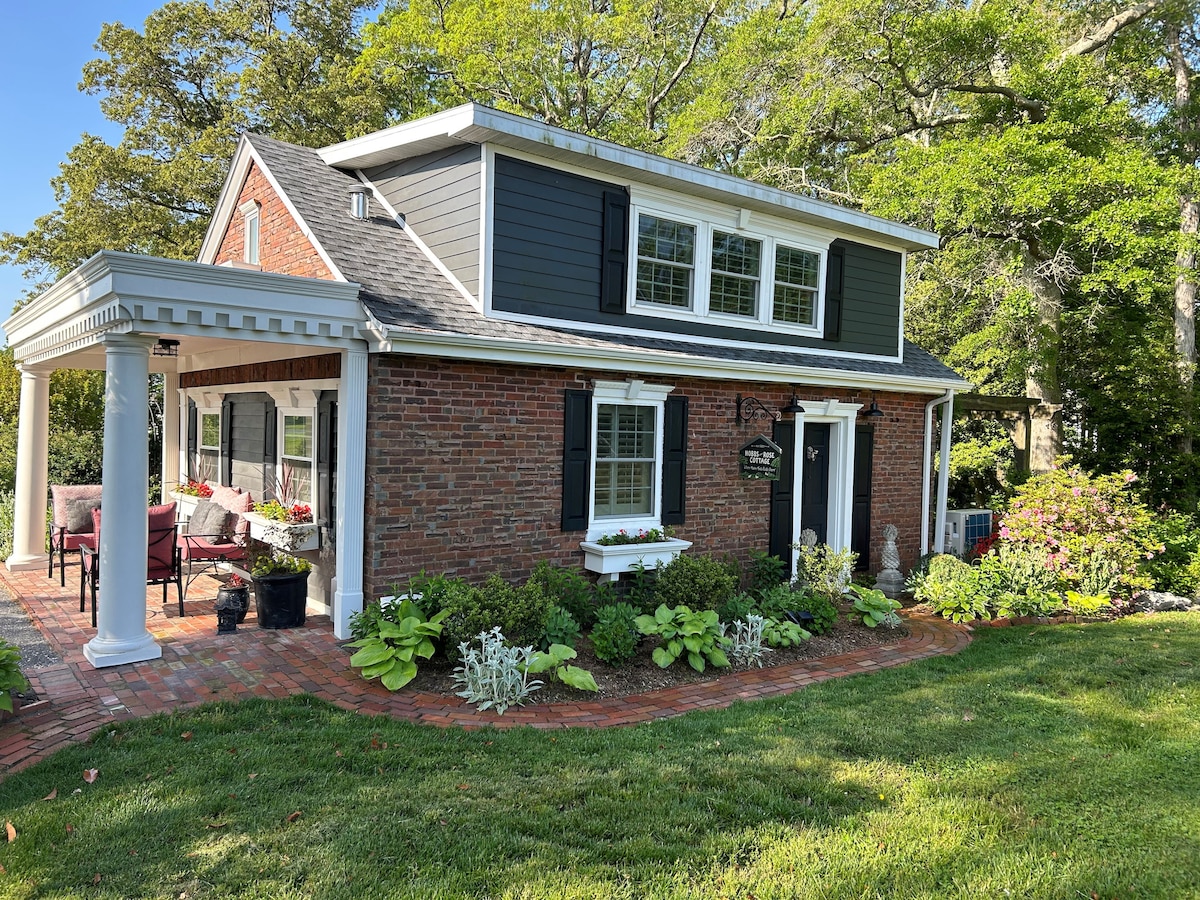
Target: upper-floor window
(697, 269)
(250, 231)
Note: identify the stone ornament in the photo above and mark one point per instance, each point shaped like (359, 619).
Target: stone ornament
(889, 580)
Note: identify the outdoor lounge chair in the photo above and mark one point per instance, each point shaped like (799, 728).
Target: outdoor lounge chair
(216, 534)
(71, 522)
(162, 557)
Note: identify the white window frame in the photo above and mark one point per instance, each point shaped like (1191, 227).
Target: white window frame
(251, 222)
(309, 412)
(201, 412)
(627, 393)
(707, 218)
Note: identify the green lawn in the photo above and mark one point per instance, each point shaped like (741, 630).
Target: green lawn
(1041, 762)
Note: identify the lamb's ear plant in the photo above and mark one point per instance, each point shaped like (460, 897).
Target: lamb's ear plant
(389, 654)
(554, 660)
(494, 675)
(875, 607)
(697, 634)
(746, 644)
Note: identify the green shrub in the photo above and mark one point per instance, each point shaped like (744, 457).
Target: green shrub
(7, 512)
(560, 627)
(775, 602)
(823, 612)
(825, 570)
(432, 592)
(11, 678)
(639, 590)
(701, 581)
(519, 612)
(1177, 568)
(615, 635)
(766, 572)
(736, 608)
(568, 588)
(952, 588)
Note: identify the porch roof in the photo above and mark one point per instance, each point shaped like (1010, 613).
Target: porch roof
(203, 305)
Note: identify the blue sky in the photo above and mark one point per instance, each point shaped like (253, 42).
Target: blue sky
(43, 46)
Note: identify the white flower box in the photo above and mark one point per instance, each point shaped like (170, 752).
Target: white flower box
(185, 504)
(289, 538)
(611, 560)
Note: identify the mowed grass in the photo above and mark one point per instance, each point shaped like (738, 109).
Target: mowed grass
(1041, 762)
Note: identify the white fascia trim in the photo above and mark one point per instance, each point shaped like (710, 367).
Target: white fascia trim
(487, 349)
(415, 238)
(241, 167)
(703, 340)
(472, 123)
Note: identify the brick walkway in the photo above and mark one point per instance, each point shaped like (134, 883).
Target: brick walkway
(198, 665)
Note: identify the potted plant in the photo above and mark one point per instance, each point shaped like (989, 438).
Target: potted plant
(287, 527)
(623, 551)
(237, 591)
(280, 589)
(11, 678)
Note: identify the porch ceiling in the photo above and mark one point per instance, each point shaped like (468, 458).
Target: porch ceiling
(220, 314)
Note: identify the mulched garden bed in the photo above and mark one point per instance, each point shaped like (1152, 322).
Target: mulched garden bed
(641, 674)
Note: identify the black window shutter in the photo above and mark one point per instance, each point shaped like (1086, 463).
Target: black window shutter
(327, 458)
(270, 426)
(675, 424)
(192, 447)
(834, 282)
(577, 459)
(614, 258)
(226, 474)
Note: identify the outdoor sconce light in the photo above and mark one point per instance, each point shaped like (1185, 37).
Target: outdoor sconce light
(166, 347)
(793, 408)
(750, 408)
(227, 613)
(873, 411)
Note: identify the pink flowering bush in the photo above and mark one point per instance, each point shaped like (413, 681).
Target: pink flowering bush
(1086, 525)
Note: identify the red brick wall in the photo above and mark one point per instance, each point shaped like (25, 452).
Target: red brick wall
(464, 468)
(283, 248)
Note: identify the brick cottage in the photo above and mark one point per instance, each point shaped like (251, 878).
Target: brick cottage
(473, 342)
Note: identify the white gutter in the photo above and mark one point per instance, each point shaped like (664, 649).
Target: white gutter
(943, 472)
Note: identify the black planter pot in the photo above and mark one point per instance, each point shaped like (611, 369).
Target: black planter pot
(240, 596)
(280, 599)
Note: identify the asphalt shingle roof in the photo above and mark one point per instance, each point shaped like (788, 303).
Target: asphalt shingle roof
(402, 288)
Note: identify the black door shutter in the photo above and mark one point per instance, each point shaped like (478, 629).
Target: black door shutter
(614, 256)
(780, 540)
(226, 475)
(577, 459)
(674, 497)
(192, 446)
(860, 515)
(270, 482)
(834, 286)
(327, 459)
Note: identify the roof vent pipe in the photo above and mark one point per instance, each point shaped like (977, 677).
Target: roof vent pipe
(360, 199)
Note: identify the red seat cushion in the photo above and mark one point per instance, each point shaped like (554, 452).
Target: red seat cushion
(192, 547)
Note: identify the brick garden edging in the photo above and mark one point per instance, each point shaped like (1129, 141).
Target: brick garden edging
(199, 666)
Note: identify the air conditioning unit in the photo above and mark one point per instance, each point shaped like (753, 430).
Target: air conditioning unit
(965, 528)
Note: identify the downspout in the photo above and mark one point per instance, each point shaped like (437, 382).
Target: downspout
(926, 472)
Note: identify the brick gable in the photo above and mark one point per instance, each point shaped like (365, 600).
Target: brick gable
(283, 247)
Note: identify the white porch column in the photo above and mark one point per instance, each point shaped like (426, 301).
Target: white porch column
(939, 528)
(121, 635)
(170, 427)
(33, 433)
(351, 488)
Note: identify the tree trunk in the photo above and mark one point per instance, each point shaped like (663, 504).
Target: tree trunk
(1041, 378)
(1189, 220)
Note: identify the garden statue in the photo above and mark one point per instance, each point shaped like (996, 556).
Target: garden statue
(889, 580)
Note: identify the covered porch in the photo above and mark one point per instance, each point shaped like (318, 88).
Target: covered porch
(131, 316)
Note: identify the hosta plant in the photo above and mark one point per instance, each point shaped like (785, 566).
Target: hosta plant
(390, 655)
(683, 632)
(783, 633)
(11, 678)
(746, 643)
(495, 675)
(554, 660)
(875, 607)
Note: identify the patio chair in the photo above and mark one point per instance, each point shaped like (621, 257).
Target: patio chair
(71, 522)
(163, 564)
(216, 533)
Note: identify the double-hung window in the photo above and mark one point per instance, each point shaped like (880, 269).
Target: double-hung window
(296, 456)
(666, 259)
(736, 263)
(206, 465)
(797, 274)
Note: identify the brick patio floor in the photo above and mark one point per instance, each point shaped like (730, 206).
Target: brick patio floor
(198, 665)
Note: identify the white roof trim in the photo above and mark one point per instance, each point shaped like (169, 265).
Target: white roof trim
(124, 292)
(658, 362)
(475, 124)
(239, 168)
